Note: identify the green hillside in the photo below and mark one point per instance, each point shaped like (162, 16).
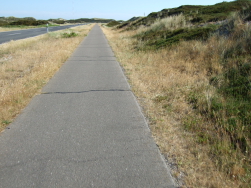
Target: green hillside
(197, 14)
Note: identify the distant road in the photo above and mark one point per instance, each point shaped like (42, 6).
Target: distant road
(22, 34)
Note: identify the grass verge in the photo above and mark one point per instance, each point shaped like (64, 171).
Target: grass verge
(20, 27)
(196, 95)
(27, 65)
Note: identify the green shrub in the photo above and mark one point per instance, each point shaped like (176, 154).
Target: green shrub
(59, 21)
(112, 23)
(160, 39)
(29, 22)
(69, 35)
(3, 23)
(238, 82)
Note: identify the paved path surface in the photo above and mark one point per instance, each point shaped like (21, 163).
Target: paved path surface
(26, 33)
(85, 130)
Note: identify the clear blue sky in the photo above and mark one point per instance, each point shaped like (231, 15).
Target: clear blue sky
(73, 9)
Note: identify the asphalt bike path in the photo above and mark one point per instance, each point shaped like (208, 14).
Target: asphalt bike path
(85, 129)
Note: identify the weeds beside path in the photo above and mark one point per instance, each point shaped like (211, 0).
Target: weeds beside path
(162, 80)
(194, 78)
(27, 65)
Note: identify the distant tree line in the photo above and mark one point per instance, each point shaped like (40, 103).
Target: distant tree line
(29, 22)
(25, 22)
(90, 20)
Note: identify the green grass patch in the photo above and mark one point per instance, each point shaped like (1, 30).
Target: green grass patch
(160, 39)
(229, 109)
(6, 122)
(69, 35)
(113, 23)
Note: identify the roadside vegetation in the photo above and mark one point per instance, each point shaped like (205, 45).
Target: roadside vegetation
(193, 79)
(19, 27)
(90, 20)
(27, 65)
(112, 23)
(12, 23)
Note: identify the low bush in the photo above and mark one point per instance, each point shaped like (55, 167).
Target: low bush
(159, 39)
(69, 35)
(29, 22)
(3, 23)
(59, 21)
(112, 24)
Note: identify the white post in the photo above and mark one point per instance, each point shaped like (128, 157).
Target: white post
(47, 28)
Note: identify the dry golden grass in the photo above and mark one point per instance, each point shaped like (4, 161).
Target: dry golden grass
(4, 29)
(170, 23)
(162, 81)
(27, 65)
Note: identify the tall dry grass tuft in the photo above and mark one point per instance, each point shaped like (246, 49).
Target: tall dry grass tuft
(27, 65)
(175, 88)
(170, 23)
(5, 29)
